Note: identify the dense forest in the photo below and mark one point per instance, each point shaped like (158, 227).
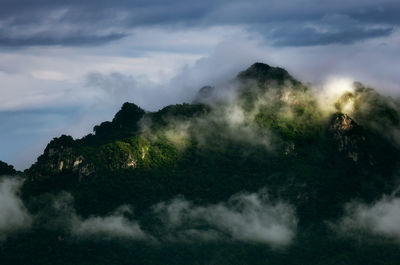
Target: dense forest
(263, 170)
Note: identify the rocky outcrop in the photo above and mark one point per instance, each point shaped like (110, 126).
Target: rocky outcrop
(349, 137)
(60, 156)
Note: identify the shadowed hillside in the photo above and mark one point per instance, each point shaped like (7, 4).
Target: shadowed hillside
(262, 171)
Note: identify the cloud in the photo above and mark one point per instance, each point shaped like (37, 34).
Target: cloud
(249, 217)
(371, 62)
(377, 112)
(314, 35)
(98, 80)
(380, 218)
(113, 225)
(330, 92)
(59, 214)
(47, 38)
(13, 214)
(189, 74)
(99, 22)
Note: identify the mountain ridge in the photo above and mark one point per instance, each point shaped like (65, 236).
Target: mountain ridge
(269, 155)
(136, 140)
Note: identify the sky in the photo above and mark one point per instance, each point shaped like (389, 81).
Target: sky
(66, 66)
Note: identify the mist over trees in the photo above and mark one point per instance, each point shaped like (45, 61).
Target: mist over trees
(261, 170)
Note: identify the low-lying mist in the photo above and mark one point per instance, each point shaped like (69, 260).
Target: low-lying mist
(247, 217)
(242, 116)
(13, 214)
(242, 110)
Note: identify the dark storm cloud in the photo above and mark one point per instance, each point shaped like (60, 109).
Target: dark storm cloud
(309, 36)
(56, 22)
(68, 40)
(380, 13)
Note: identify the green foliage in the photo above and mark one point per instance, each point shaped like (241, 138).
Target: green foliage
(372, 109)
(263, 74)
(6, 169)
(314, 162)
(179, 112)
(124, 124)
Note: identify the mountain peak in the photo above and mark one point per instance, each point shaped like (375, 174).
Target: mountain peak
(263, 73)
(6, 169)
(204, 94)
(129, 114)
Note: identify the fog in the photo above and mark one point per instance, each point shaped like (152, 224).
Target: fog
(249, 217)
(381, 218)
(113, 225)
(13, 214)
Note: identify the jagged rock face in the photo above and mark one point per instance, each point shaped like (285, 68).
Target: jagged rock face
(343, 123)
(349, 137)
(60, 156)
(318, 163)
(63, 159)
(300, 121)
(373, 111)
(64, 154)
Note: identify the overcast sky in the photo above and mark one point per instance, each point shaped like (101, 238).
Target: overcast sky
(68, 65)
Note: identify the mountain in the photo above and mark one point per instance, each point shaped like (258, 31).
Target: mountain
(262, 171)
(6, 169)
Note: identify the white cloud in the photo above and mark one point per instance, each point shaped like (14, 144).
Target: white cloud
(330, 92)
(62, 215)
(49, 75)
(371, 62)
(249, 217)
(245, 217)
(380, 218)
(57, 77)
(156, 73)
(193, 40)
(113, 225)
(44, 77)
(13, 214)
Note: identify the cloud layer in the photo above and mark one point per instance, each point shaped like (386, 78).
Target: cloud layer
(78, 61)
(13, 214)
(113, 225)
(380, 218)
(305, 22)
(245, 217)
(248, 217)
